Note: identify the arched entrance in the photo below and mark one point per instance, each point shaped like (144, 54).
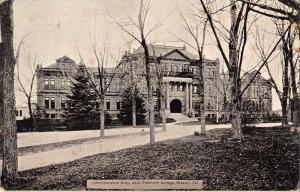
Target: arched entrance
(175, 106)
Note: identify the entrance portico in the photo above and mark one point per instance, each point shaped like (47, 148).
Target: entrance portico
(182, 96)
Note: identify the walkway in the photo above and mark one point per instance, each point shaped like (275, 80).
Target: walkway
(105, 145)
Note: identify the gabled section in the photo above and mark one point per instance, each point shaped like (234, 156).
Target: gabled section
(176, 55)
(63, 63)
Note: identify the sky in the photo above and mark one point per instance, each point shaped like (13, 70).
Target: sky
(54, 28)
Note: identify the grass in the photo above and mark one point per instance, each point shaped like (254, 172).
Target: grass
(258, 162)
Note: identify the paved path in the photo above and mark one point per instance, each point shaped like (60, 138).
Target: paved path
(111, 144)
(40, 138)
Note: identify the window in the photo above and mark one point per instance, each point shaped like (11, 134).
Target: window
(47, 116)
(63, 83)
(17, 113)
(69, 82)
(180, 88)
(52, 116)
(195, 89)
(52, 83)
(118, 104)
(155, 104)
(46, 83)
(47, 106)
(52, 103)
(195, 71)
(63, 103)
(107, 104)
(21, 113)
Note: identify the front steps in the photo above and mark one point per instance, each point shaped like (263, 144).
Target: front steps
(180, 117)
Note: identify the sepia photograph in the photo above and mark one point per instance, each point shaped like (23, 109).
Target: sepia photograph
(130, 95)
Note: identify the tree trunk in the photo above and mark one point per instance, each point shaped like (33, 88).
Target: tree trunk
(32, 118)
(10, 157)
(2, 55)
(102, 117)
(295, 104)
(285, 80)
(150, 95)
(133, 113)
(163, 109)
(201, 95)
(148, 73)
(233, 73)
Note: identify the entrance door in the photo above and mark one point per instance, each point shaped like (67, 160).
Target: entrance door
(175, 106)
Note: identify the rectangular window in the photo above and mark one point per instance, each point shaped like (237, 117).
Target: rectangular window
(52, 116)
(155, 104)
(17, 113)
(46, 83)
(47, 106)
(107, 104)
(180, 88)
(63, 83)
(195, 89)
(118, 104)
(52, 103)
(21, 113)
(47, 116)
(52, 83)
(63, 103)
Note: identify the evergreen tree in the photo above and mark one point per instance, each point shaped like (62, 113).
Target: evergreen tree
(82, 112)
(129, 95)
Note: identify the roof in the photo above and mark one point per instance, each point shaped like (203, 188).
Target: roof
(162, 50)
(63, 62)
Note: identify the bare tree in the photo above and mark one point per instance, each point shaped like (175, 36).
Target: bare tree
(279, 9)
(284, 10)
(160, 70)
(130, 58)
(238, 36)
(8, 115)
(142, 40)
(28, 91)
(237, 41)
(288, 63)
(105, 78)
(197, 31)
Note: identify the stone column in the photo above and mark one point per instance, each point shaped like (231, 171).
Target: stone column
(167, 96)
(187, 103)
(191, 95)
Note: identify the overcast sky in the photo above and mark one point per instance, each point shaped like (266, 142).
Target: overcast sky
(54, 28)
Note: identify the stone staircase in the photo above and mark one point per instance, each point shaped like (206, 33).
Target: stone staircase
(180, 117)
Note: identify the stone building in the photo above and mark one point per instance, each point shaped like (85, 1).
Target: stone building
(256, 100)
(53, 85)
(175, 67)
(178, 70)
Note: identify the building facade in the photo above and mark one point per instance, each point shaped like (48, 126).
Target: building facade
(256, 100)
(173, 69)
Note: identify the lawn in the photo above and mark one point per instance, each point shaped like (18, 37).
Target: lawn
(258, 162)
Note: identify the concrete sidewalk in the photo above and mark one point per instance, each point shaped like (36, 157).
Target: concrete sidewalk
(63, 155)
(40, 138)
